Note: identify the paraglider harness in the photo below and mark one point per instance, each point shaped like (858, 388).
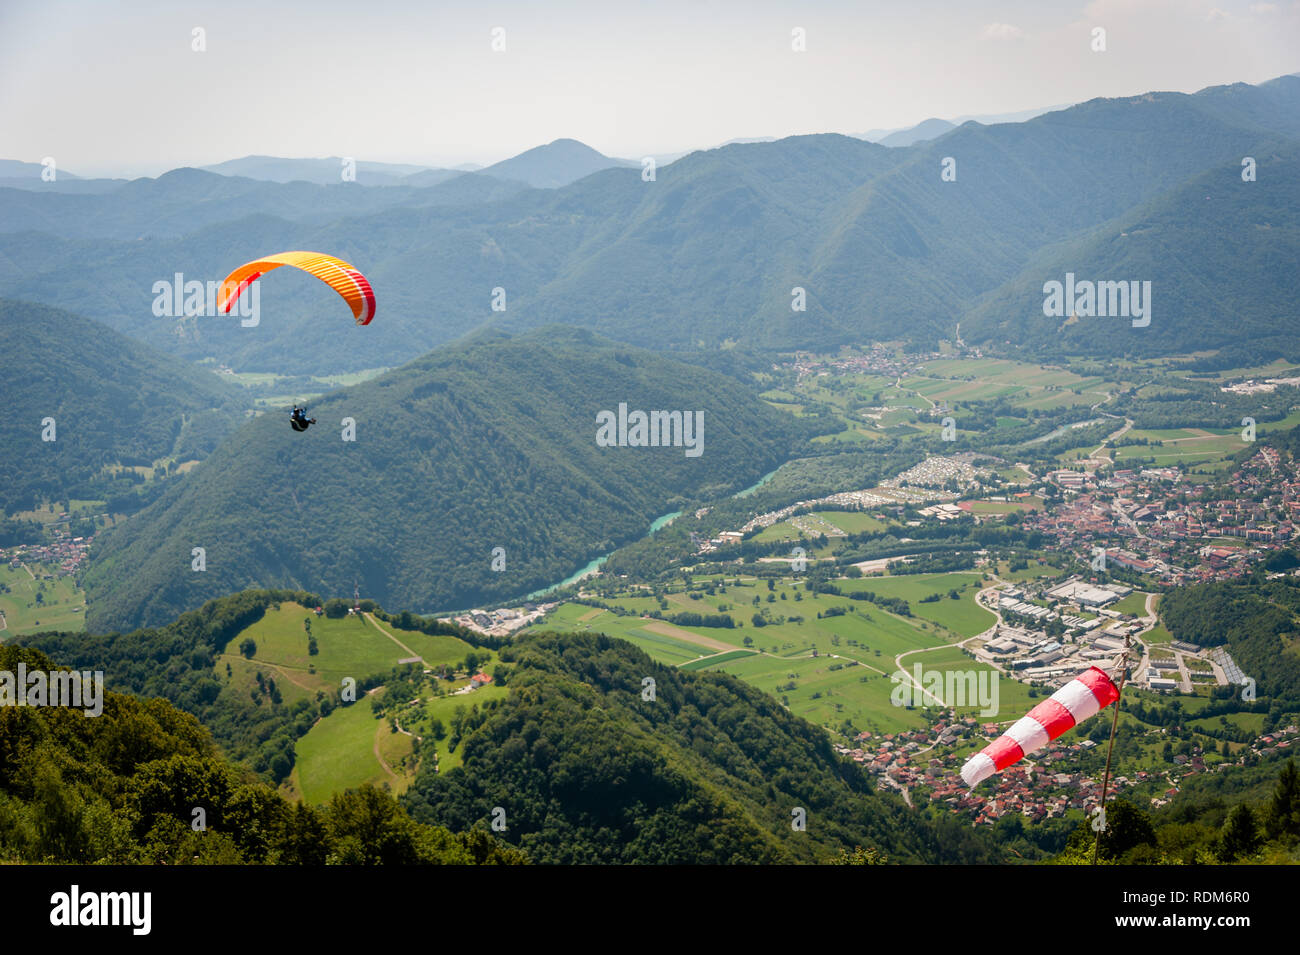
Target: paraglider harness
(299, 420)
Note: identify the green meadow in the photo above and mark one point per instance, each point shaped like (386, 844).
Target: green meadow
(351, 646)
(338, 753)
(31, 604)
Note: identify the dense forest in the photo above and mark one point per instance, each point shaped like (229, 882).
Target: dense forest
(1212, 246)
(113, 400)
(492, 442)
(142, 783)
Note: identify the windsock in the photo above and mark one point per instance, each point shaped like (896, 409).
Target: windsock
(1084, 696)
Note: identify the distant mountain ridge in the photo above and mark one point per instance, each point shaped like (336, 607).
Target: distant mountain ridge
(710, 251)
(921, 132)
(325, 171)
(549, 166)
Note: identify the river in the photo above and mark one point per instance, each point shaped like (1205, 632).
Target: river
(594, 565)
(658, 522)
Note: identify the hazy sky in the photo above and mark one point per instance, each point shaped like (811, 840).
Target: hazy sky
(115, 88)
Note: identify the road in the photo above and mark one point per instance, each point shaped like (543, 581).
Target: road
(379, 759)
(409, 651)
(1128, 425)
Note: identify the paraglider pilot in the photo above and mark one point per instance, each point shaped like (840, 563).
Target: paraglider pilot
(299, 420)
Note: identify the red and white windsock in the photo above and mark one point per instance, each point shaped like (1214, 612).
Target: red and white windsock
(1084, 696)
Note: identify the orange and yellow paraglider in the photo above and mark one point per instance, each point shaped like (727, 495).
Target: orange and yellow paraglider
(334, 272)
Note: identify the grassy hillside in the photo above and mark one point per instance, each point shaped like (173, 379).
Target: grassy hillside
(258, 701)
(113, 400)
(587, 771)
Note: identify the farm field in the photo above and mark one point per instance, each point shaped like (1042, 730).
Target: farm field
(854, 641)
(1134, 603)
(61, 605)
(828, 691)
(831, 523)
(962, 616)
(1006, 507)
(665, 649)
(1157, 634)
(1194, 449)
(1013, 697)
(1027, 385)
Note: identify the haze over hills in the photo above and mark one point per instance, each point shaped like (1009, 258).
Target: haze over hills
(549, 166)
(326, 171)
(708, 252)
(184, 201)
(908, 135)
(487, 444)
(15, 174)
(921, 132)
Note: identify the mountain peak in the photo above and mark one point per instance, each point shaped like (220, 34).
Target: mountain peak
(555, 164)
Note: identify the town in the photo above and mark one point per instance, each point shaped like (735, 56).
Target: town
(923, 765)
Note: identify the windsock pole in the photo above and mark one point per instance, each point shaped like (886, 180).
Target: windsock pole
(1110, 749)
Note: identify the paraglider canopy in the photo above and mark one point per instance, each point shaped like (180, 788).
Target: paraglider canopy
(334, 272)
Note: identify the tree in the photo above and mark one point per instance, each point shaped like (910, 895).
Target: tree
(1127, 827)
(248, 647)
(860, 856)
(1284, 808)
(1240, 835)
